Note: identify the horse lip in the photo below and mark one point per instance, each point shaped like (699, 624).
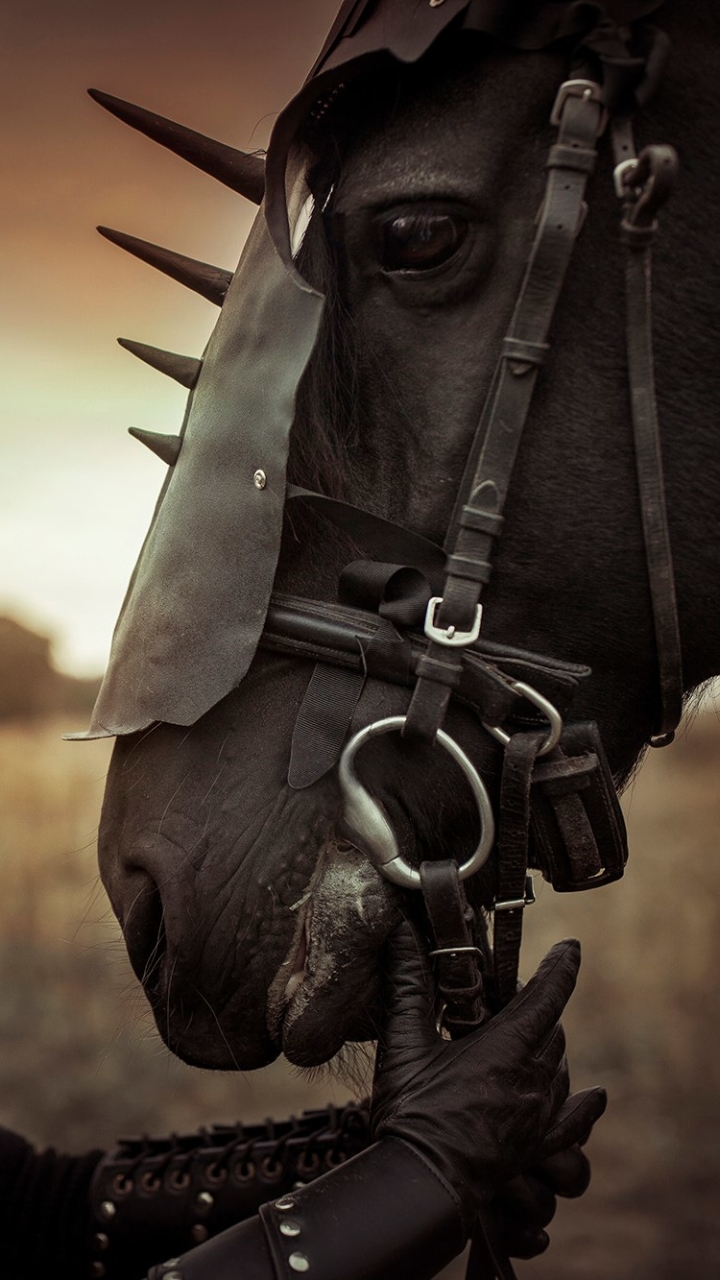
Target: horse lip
(283, 988)
(297, 977)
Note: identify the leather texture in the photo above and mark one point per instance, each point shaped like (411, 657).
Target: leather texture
(153, 1198)
(385, 1214)
(486, 1107)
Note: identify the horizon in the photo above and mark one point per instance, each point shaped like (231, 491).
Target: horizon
(78, 492)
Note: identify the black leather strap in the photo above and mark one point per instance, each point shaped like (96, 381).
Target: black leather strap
(455, 951)
(476, 519)
(513, 843)
(650, 184)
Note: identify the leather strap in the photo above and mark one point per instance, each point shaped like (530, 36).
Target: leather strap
(513, 844)
(477, 518)
(649, 184)
(459, 978)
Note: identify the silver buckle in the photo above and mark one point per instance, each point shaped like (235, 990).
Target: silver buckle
(450, 636)
(588, 89)
(518, 904)
(621, 176)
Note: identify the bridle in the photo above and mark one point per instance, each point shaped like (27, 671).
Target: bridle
(572, 843)
(557, 806)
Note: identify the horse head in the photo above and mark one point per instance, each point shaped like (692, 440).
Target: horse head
(404, 188)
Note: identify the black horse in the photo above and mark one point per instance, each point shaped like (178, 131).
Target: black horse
(253, 922)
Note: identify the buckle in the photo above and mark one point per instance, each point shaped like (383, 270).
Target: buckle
(621, 177)
(518, 904)
(450, 636)
(587, 89)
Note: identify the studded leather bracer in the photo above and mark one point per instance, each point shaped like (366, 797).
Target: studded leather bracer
(155, 1198)
(387, 1214)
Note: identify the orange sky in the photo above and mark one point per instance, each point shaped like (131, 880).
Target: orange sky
(76, 492)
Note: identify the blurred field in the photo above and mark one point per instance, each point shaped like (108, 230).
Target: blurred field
(80, 1062)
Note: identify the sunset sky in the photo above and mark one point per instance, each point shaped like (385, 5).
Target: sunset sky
(76, 492)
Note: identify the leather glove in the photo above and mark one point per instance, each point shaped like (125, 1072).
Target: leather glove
(485, 1108)
(523, 1207)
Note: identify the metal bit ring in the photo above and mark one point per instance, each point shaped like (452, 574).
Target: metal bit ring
(542, 704)
(366, 820)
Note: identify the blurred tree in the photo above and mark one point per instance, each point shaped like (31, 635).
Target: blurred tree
(29, 683)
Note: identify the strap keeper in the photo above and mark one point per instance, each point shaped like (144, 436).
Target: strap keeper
(526, 352)
(440, 672)
(469, 567)
(481, 521)
(581, 159)
(635, 236)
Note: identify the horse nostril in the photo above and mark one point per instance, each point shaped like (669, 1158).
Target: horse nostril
(144, 931)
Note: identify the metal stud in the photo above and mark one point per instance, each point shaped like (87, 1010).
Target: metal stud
(289, 1229)
(107, 1210)
(435, 3)
(205, 1201)
(299, 1262)
(259, 479)
(173, 1275)
(199, 1233)
(285, 1203)
(98, 1269)
(101, 1241)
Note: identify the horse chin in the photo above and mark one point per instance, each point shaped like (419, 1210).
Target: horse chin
(327, 991)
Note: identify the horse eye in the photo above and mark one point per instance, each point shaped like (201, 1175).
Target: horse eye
(418, 241)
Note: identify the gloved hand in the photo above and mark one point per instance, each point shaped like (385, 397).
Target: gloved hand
(523, 1207)
(485, 1108)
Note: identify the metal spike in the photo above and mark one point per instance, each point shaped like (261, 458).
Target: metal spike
(184, 369)
(235, 169)
(210, 282)
(166, 447)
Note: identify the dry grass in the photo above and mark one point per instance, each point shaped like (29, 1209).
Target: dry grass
(80, 1062)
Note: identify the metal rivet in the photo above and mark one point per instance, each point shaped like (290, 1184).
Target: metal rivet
(101, 1241)
(172, 1275)
(107, 1209)
(287, 1202)
(434, 3)
(199, 1233)
(259, 479)
(299, 1262)
(289, 1229)
(205, 1200)
(98, 1269)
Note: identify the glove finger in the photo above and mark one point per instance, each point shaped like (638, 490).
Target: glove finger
(552, 1052)
(573, 1121)
(565, 1174)
(409, 992)
(523, 1242)
(539, 1005)
(526, 1201)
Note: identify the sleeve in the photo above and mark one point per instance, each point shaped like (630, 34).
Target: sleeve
(44, 1216)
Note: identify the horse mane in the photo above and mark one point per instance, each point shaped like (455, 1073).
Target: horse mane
(327, 414)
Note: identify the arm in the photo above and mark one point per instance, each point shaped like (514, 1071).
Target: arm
(453, 1121)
